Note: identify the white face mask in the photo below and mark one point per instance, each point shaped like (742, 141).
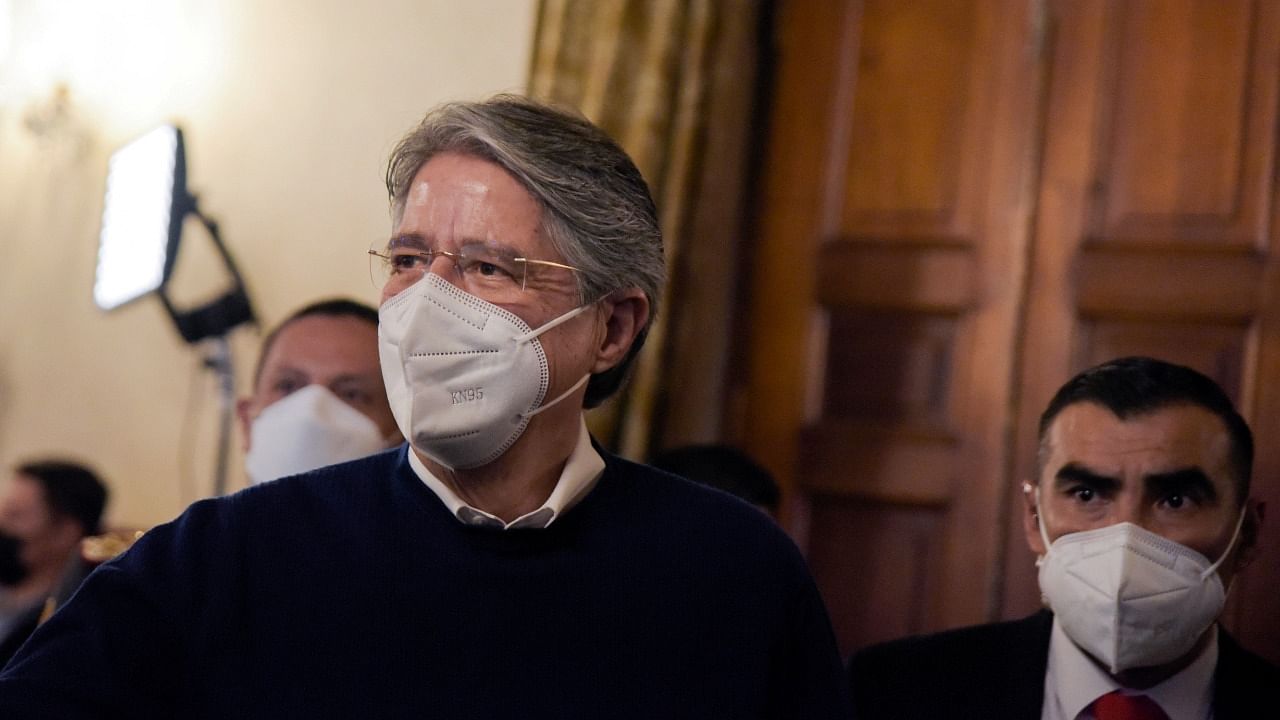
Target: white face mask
(305, 430)
(463, 375)
(1128, 597)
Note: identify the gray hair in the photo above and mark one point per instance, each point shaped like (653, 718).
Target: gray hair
(596, 208)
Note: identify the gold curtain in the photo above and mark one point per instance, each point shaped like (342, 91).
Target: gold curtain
(673, 81)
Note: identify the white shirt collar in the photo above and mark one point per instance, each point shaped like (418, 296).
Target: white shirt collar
(581, 471)
(1073, 681)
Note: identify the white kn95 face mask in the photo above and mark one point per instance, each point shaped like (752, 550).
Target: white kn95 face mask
(305, 430)
(1129, 597)
(463, 375)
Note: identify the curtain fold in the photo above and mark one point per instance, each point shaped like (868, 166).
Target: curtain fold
(673, 81)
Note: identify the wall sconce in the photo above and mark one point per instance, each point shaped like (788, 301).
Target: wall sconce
(51, 117)
(56, 125)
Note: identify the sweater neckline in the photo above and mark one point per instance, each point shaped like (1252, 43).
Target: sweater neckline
(514, 539)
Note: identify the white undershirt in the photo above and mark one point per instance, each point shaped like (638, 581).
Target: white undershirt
(1073, 681)
(581, 471)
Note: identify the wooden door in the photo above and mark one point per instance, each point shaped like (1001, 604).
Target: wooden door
(1156, 233)
(885, 301)
(962, 203)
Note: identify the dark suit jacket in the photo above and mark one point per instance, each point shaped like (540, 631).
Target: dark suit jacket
(77, 570)
(18, 633)
(997, 671)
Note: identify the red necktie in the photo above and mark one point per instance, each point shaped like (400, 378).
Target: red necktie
(1118, 706)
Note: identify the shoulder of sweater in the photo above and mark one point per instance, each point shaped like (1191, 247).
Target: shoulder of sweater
(354, 477)
(654, 498)
(335, 487)
(661, 491)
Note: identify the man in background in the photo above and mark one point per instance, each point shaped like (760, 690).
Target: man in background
(1141, 518)
(318, 397)
(48, 507)
(723, 467)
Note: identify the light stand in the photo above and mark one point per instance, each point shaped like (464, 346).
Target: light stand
(212, 322)
(218, 360)
(146, 205)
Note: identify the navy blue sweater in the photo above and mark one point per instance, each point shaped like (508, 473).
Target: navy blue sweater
(353, 592)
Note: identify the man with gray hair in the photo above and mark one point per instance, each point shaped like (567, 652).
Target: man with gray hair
(499, 564)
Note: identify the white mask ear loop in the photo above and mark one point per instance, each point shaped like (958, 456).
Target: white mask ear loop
(1234, 536)
(535, 333)
(553, 323)
(562, 396)
(1044, 535)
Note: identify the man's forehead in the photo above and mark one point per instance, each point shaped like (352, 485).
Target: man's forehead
(457, 193)
(419, 192)
(467, 190)
(22, 490)
(1163, 438)
(328, 343)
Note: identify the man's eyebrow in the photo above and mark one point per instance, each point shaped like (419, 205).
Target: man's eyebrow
(413, 241)
(490, 245)
(1077, 473)
(279, 372)
(284, 368)
(360, 378)
(1182, 480)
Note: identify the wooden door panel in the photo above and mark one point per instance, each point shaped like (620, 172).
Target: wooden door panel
(875, 463)
(921, 278)
(906, 154)
(890, 368)
(812, 49)
(897, 275)
(891, 555)
(964, 202)
(907, 268)
(1152, 280)
(1218, 350)
(1181, 80)
(1155, 225)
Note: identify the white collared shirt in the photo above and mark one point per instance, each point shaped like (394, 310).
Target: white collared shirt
(1073, 681)
(581, 471)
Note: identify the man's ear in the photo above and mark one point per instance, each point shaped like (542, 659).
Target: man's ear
(1254, 512)
(625, 312)
(243, 408)
(1031, 519)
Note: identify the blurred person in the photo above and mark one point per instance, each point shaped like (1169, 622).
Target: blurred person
(318, 397)
(500, 564)
(723, 467)
(48, 507)
(1141, 517)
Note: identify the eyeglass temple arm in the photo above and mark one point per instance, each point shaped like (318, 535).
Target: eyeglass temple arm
(546, 262)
